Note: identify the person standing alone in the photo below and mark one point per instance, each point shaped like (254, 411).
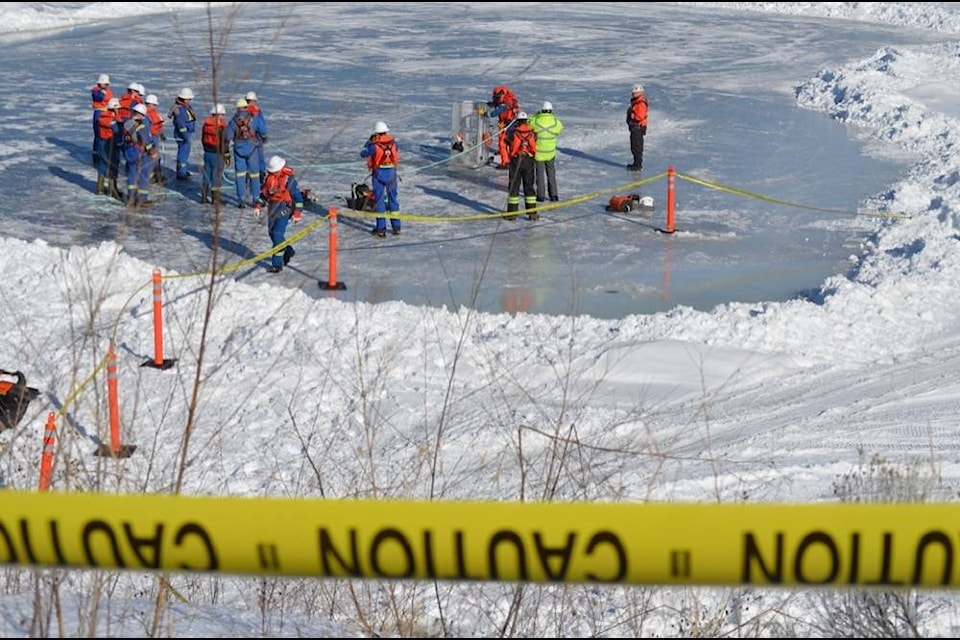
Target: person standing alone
(547, 127)
(382, 158)
(637, 123)
(284, 199)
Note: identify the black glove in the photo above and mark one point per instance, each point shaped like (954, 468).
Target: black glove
(490, 103)
(643, 130)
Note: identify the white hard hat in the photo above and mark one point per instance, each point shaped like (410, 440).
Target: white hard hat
(242, 103)
(547, 106)
(103, 79)
(218, 109)
(139, 108)
(113, 103)
(185, 94)
(140, 89)
(646, 202)
(251, 96)
(275, 164)
(151, 99)
(133, 86)
(522, 115)
(381, 127)
(637, 88)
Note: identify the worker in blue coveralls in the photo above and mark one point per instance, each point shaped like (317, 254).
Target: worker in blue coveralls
(184, 126)
(382, 157)
(243, 133)
(261, 128)
(139, 150)
(284, 199)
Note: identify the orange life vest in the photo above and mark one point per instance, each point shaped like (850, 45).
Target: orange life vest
(637, 112)
(156, 120)
(127, 101)
(212, 134)
(275, 189)
(524, 141)
(385, 153)
(105, 124)
(100, 104)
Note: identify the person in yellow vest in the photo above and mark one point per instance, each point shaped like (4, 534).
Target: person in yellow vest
(547, 127)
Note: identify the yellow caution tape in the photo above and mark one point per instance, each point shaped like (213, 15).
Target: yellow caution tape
(891, 546)
(759, 196)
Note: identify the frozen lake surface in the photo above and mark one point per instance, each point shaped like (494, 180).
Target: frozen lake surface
(722, 110)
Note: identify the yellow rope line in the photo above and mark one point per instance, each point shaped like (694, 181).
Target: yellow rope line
(758, 196)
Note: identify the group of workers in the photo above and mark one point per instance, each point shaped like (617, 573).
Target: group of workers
(132, 124)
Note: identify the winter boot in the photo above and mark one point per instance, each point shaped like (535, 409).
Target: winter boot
(203, 196)
(215, 197)
(113, 191)
(532, 213)
(101, 185)
(512, 208)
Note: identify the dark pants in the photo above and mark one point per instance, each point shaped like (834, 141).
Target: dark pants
(636, 146)
(522, 172)
(547, 179)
